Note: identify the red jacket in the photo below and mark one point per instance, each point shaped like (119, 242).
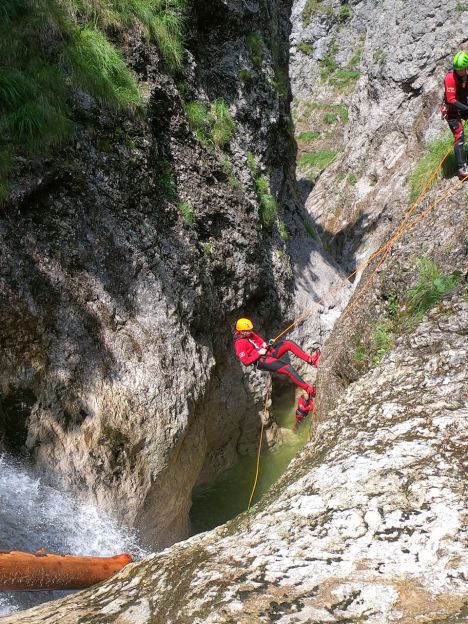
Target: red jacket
(305, 405)
(456, 91)
(247, 348)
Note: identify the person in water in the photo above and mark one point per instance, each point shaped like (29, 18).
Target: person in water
(252, 349)
(305, 405)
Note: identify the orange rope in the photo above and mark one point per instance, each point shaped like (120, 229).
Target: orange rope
(393, 240)
(382, 250)
(369, 280)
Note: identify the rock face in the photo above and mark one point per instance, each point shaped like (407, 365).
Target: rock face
(383, 296)
(366, 79)
(118, 375)
(381, 65)
(119, 362)
(367, 523)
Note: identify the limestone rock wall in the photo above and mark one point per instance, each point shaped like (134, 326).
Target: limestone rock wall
(367, 523)
(376, 69)
(118, 376)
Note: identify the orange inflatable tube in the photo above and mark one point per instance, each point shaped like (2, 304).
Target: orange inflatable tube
(41, 570)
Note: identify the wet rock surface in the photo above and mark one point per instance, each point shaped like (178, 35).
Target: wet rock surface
(367, 523)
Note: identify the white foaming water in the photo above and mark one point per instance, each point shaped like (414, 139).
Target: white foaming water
(33, 515)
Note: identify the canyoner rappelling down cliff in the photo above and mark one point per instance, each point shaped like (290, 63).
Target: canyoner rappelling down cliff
(251, 349)
(305, 404)
(256, 349)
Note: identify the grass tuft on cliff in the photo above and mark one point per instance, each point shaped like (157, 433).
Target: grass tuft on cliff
(255, 45)
(268, 209)
(188, 213)
(212, 126)
(99, 68)
(51, 49)
(430, 287)
(268, 206)
(315, 8)
(318, 159)
(199, 120)
(434, 152)
(404, 312)
(223, 124)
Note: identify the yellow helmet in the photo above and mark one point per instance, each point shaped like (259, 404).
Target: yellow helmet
(244, 324)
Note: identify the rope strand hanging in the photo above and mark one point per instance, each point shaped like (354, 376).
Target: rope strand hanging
(265, 407)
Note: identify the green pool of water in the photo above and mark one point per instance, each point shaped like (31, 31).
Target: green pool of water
(229, 495)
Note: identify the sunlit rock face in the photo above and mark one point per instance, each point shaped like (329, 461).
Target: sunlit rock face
(367, 77)
(366, 524)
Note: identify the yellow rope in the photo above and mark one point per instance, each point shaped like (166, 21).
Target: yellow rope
(267, 396)
(309, 437)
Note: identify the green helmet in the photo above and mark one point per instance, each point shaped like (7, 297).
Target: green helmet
(460, 60)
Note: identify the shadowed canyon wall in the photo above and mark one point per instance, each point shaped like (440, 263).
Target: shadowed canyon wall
(127, 256)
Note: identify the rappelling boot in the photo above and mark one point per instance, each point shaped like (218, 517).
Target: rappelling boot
(459, 150)
(314, 358)
(463, 172)
(312, 391)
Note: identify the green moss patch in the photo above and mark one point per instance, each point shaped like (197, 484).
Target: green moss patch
(318, 160)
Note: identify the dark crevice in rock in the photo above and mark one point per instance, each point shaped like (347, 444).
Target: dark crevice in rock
(15, 410)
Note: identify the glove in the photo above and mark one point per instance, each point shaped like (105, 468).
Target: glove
(262, 351)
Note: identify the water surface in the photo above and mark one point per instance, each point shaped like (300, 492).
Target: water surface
(228, 496)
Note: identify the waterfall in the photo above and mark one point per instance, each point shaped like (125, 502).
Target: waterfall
(33, 514)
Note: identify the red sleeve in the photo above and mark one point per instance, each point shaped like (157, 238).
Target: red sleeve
(245, 351)
(450, 87)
